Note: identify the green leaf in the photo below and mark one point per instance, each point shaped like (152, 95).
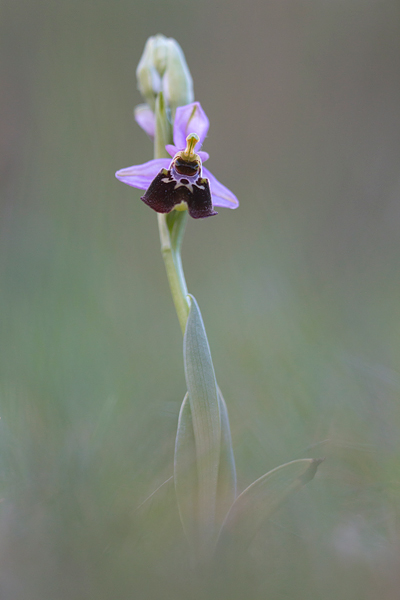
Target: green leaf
(204, 405)
(262, 498)
(226, 490)
(185, 472)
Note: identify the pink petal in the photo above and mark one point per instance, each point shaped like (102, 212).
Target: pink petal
(144, 117)
(141, 176)
(190, 119)
(203, 155)
(172, 150)
(221, 196)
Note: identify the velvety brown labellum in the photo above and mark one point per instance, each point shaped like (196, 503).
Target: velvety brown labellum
(165, 192)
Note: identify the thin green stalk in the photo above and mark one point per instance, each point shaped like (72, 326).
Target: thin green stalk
(176, 277)
(172, 226)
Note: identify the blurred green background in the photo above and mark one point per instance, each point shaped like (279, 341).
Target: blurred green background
(299, 290)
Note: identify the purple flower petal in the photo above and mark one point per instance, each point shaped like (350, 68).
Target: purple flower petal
(190, 119)
(141, 176)
(145, 117)
(203, 155)
(220, 194)
(172, 150)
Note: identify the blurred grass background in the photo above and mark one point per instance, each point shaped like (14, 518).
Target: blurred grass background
(299, 290)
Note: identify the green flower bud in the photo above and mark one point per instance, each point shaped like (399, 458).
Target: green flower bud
(177, 80)
(148, 77)
(163, 68)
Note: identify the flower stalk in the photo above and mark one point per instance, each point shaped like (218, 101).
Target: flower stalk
(171, 226)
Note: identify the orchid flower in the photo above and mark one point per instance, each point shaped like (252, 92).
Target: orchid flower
(214, 518)
(181, 183)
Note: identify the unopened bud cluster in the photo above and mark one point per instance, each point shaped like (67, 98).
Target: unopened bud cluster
(163, 68)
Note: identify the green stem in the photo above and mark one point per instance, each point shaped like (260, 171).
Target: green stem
(172, 226)
(176, 277)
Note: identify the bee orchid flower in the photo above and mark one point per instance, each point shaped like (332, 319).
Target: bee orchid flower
(183, 182)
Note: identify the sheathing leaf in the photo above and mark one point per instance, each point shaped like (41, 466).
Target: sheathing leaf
(226, 489)
(185, 472)
(204, 405)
